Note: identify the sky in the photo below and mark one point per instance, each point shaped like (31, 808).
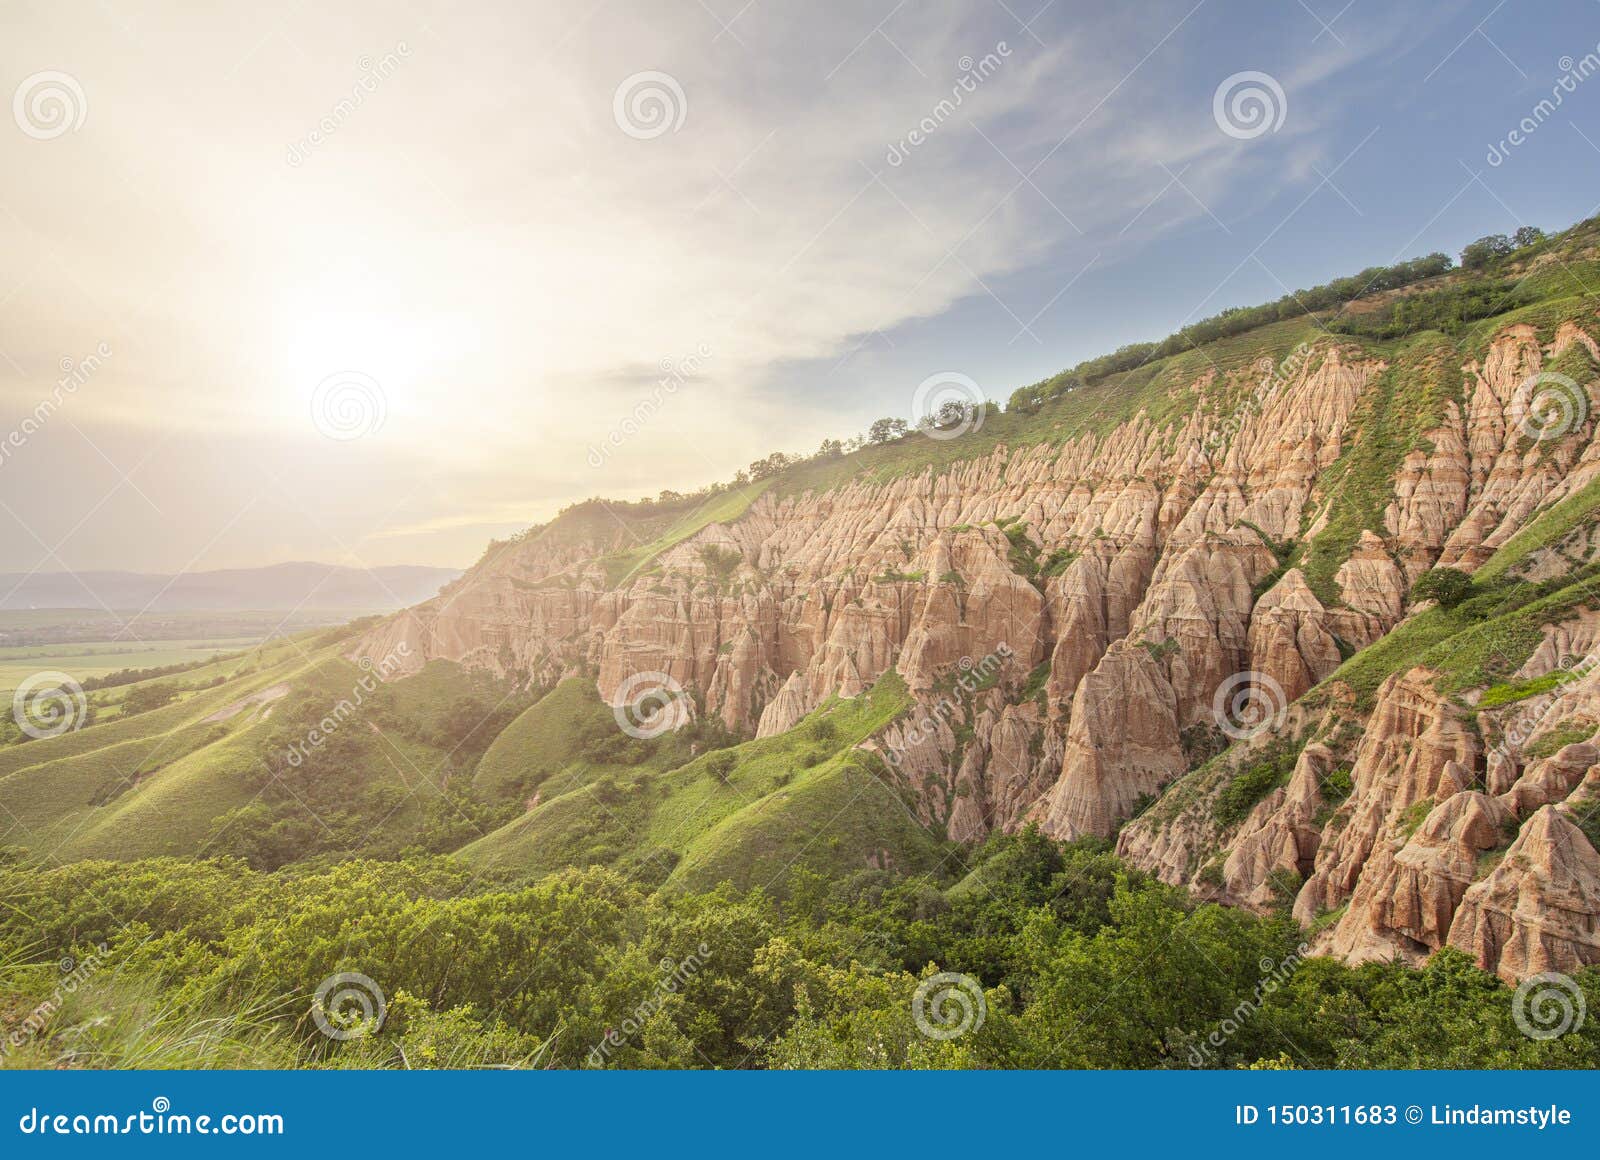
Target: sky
(376, 284)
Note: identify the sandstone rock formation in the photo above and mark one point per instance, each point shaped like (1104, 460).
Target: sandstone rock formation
(1116, 583)
(1535, 911)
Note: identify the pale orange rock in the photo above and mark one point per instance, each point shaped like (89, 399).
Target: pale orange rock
(1535, 912)
(1281, 835)
(1407, 897)
(1289, 638)
(1122, 744)
(1416, 747)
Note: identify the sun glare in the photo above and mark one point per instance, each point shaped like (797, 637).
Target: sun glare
(407, 354)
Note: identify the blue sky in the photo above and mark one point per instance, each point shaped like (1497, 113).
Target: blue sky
(1402, 131)
(378, 282)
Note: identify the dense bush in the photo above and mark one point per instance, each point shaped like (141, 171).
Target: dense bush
(1078, 961)
(1238, 320)
(1253, 782)
(1449, 310)
(143, 698)
(1449, 586)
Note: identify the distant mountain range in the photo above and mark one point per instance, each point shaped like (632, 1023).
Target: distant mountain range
(278, 586)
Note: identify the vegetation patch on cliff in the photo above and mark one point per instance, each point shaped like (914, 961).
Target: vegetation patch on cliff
(723, 507)
(1407, 400)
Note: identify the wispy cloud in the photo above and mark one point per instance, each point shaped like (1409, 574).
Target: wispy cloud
(477, 235)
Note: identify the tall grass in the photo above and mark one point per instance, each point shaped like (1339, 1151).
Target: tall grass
(117, 1020)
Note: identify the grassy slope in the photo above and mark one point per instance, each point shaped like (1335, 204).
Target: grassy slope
(699, 799)
(1408, 399)
(1478, 643)
(175, 811)
(840, 818)
(803, 797)
(49, 787)
(546, 742)
(158, 790)
(722, 508)
(157, 782)
(244, 674)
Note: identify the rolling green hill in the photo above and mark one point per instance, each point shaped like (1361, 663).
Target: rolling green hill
(209, 772)
(749, 814)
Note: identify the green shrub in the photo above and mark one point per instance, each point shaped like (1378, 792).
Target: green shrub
(1255, 781)
(1336, 785)
(1446, 585)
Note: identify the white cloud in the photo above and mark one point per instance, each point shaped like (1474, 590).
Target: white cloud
(482, 239)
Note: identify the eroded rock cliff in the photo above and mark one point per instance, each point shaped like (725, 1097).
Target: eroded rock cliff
(1138, 593)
